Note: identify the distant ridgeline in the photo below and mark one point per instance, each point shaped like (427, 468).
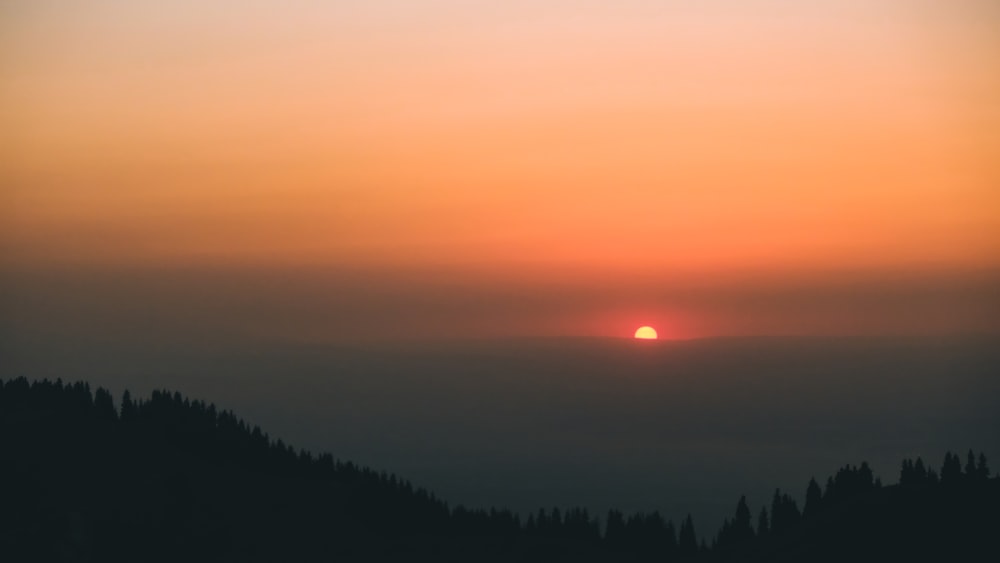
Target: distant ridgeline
(171, 479)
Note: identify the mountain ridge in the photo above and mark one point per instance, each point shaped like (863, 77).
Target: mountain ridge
(169, 477)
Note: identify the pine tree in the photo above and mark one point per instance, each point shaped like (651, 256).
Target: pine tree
(128, 407)
(970, 465)
(982, 470)
(906, 473)
(776, 523)
(670, 538)
(784, 512)
(687, 541)
(742, 527)
(104, 405)
(866, 477)
(814, 498)
(762, 527)
(951, 469)
(919, 472)
(614, 531)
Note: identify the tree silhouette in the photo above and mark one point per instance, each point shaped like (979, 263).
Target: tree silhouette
(785, 513)
(687, 542)
(970, 465)
(128, 408)
(906, 474)
(951, 469)
(614, 531)
(170, 478)
(742, 527)
(814, 498)
(982, 470)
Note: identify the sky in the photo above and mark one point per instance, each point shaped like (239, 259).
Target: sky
(444, 168)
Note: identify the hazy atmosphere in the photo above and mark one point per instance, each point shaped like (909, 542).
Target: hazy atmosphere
(421, 235)
(603, 423)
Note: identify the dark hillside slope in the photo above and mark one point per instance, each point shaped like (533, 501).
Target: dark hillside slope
(170, 479)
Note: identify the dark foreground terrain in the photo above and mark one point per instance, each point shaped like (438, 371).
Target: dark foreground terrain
(171, 479)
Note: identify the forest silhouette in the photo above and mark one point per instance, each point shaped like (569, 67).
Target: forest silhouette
(168, 478)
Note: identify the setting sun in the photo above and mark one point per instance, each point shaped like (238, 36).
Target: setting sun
(407, 239)
(646, 333)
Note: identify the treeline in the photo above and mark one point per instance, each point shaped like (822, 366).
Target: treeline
(854, 517)
(169, 478)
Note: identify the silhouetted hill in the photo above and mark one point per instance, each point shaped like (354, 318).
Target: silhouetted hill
(168, 478)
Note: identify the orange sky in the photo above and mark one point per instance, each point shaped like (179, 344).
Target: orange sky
(570, 144)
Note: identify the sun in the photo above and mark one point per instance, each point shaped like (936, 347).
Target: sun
(645, 333)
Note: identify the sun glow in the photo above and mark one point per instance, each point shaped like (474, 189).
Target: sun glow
(646, 333)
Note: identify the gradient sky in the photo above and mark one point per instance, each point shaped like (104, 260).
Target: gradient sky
(508, 168)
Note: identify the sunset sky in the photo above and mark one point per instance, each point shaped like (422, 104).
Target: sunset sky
(454, 168)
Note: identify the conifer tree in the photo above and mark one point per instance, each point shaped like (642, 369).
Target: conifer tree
(670, 538)
(866, 477)
(614, 530)
(104, 405)
(784, 512)
(906, 473)
(687, 542)
(982, 470)
(128, 407)
(814, 498)
(762, 527)
(742, 528)
(970, 465)
(951, 469)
